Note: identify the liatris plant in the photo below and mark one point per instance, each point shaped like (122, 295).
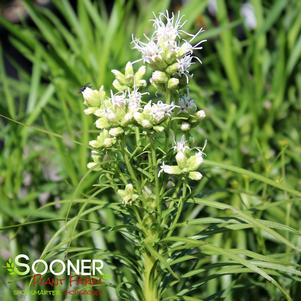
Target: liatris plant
(144, 150)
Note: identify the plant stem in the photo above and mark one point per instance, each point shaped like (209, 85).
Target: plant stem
(155, 172)
(129, 167)
(149, 287)
(168, 96)
(179, 211)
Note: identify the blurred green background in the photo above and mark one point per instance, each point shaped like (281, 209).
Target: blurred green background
(249, 83)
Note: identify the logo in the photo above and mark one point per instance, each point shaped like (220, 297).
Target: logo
(64, 277)
(86, 267)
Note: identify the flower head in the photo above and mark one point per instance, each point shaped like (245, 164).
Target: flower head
(167, 28)
(153, 114)
(187, 163)
(167, 48)
(127, 195)
(119, 109)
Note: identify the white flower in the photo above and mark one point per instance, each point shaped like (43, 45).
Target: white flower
(150, 51)
(184, 64)
(181, 145)
(153, 113)
(167, 28)
(118, 100)
(159, 110)
(134, 99)
(167, 46)
(247, 12)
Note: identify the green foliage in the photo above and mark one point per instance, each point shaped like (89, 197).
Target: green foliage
(238, 238)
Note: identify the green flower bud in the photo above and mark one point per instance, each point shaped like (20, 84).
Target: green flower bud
(195, 175)
(95, 164)
(128, 117)
(129, 72)
(185, 48)
(108, 142)
(171, 169)
(95, 156)
(172, 83)
(116, 131)
(103, 140)
(119, 76)
(90, 110)
(141, 83)
(92, 97)
(140, 73)
(102, 123)
(194, 162)
(172, 69)
(146, 123)
(118, 86)
(181, 159)
(92, 165)
(170, 57)
(159, 77)
(159, 128)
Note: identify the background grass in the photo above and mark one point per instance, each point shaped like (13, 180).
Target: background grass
(240, 238)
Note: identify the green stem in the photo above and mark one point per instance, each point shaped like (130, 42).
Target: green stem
(155, 172)
(179, 211)
(149, 287)
(129, 167)
(168, 96)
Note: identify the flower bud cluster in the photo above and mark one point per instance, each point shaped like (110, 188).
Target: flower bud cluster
(188, 110)
(129, 80)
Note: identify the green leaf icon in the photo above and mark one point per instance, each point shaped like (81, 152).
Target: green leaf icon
(10, 266)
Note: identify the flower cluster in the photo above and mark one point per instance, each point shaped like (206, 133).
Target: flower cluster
(169, 55)
(129, 80)
(132, 109)
(187, 162)
(127, 195)
(152, 114)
